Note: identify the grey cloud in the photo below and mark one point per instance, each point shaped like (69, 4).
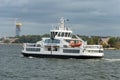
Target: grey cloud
(91, 13)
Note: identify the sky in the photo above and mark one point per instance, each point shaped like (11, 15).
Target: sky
(86, 17)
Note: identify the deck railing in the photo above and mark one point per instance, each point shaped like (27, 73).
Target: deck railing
(32, 47)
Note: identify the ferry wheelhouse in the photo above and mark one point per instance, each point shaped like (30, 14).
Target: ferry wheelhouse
(61, 44)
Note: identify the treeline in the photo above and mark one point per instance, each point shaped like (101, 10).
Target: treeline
(91, 40)
(113, 42)
(35, 38)
(30, 38)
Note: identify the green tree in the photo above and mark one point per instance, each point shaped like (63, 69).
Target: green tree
(93, 40)
(90, 41)
(28, 39)
(6, 41)
(45, 35)
(113, 41)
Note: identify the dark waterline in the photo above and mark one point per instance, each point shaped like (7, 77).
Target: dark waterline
(15, 67)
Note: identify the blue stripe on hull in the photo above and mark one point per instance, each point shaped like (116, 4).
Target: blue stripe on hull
(60, 56)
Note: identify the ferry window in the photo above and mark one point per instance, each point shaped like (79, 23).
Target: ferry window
(52, 34)
(70, 35)
(67, 41)
(59, 34)
(56, 41)
(56, 33)
(62, 34)
(52, 41)
(48, 41)
(70, 51)
(33, 49)
(66, 34)
(100, 51)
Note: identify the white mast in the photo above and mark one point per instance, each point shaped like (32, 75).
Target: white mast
(62, 24)
(62, 31)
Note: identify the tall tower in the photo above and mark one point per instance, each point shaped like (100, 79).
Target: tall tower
(18, 26)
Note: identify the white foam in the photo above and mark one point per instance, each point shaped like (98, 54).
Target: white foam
(112, 60)
(30, 57)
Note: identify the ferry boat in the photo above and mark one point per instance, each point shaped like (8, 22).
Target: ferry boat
(61, 44)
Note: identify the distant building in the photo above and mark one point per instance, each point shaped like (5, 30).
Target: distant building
(104, 41)
(8, 40)
(11, 40)
(18, 26)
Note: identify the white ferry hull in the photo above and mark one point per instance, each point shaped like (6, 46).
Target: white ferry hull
(79, 56)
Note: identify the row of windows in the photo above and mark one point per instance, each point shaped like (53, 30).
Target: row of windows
(60, 34)
(95, 51)
(32, 49)
(70, 51)
(93, 46)
(52, 41)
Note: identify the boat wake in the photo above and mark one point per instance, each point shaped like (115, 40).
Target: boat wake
(112, 60)
(21, 56)
(30, 57)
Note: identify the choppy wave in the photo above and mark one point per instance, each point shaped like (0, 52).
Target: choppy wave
(14, 66)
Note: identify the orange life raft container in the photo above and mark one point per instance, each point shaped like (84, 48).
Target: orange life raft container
(78, 44)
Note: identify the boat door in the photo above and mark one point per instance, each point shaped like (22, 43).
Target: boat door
(55, 50)
(51, 49)
(52, 45)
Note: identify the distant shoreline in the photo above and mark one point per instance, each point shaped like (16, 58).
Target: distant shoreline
(111, 49)
(11, 43)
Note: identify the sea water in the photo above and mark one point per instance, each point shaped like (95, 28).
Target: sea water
(13, 66)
